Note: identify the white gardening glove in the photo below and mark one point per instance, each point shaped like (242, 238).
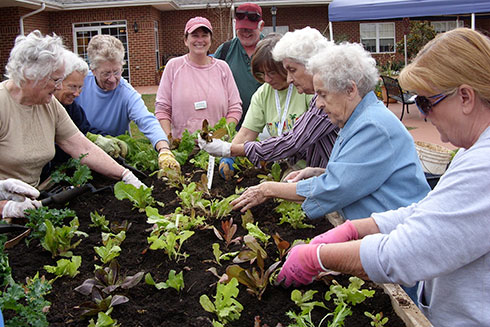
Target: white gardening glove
(14, 209)
(14, 189)
(216, 147)
(128, 177)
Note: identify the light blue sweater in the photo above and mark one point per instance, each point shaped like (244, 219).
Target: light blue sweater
(112, 111)
(442, 241)
(373, 167)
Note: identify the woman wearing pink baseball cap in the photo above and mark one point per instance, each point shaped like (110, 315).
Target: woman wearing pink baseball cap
(196, 86)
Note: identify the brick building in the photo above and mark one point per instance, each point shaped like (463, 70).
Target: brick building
(152, 30)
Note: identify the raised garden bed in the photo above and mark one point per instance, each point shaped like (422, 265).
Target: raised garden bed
(148, 306)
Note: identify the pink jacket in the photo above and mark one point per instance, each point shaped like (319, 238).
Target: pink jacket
(189, 93)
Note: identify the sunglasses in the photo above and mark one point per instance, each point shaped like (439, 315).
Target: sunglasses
(425, 106)
(252, 16)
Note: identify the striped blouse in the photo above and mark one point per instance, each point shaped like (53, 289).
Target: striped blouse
(311, 138)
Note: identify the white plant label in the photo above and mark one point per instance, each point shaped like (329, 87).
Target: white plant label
(210, 171)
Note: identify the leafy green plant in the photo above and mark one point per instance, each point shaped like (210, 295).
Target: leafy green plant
(192, 198)
(255, 280)
(115, 239)
(57, 240)
(201, 160)
(186, 146)
(81, 174)
(99, 221)
(99, 303)
(221, 208)
(109, 251)
(141, 154)
(65, 267)
(27, 301)
(377, 319)
(171, 243)
(421, 32)
(173, 222)
(225, 305)
(117, 227)
(255, 231)
(293, 214)
(218, 255)
(38, 216)
(251, 251)
(172, 177)
(175, 281)
(5, 270)
(104, 320)
(282, 245)
(107, 280)
(228, 231)
(306, 304)
(274, 174)
(140, 197)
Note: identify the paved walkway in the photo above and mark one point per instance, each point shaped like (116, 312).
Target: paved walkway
(421, 130)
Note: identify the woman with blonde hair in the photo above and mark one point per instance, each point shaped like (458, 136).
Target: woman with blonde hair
(442, 240)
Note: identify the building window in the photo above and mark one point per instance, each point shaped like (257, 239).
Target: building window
(378, 37)
(157, 46)
(83, 33)
(444, 26)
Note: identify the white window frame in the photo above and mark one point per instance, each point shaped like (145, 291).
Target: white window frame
(98, 26)
(157, 46)
(377, 38)
(459, 23)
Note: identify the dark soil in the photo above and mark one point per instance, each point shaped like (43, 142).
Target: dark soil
(148, 306)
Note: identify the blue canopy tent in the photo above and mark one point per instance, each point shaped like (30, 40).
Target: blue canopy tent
(352, 10)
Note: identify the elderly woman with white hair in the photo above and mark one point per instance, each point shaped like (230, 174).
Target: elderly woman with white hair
(373, 166)
(313, 135)
(32, 120)
(110, 102)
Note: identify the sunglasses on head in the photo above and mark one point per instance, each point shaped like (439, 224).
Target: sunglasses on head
(425, 105)
(252, 16)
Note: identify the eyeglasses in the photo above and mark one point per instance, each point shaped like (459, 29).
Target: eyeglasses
(425, 106)
(57, 81)
(74, 88)
(262, 75)
(116, 73)
(252, 16)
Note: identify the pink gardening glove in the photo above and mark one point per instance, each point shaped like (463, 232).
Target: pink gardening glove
(342, 233)
(302, 265)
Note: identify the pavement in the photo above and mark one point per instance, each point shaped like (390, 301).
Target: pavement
(419, 129)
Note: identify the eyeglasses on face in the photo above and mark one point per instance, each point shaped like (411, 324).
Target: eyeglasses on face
(262, 75)
(425, 105)
(74, 88)
(116, 73)
(57, 81)
(252, 16)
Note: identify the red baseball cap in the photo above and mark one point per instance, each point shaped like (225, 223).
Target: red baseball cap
(248, 15)
(196, 22)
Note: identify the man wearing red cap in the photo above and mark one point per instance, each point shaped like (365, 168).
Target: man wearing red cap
(238, 54)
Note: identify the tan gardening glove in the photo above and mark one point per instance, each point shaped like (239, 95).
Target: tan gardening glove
(166, 160)
(111, 145)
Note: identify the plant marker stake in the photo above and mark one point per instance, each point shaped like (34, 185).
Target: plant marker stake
(210, 171)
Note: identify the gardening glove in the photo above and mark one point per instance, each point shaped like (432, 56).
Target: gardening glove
(109, 145)
(14, 209)
(17, 190)
(302, 265)
(216, 147)
(128, 177)
(166, 159)
(123, 146)
(226, 169)
(342, 233)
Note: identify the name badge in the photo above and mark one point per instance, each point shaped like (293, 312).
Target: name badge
(199, 105)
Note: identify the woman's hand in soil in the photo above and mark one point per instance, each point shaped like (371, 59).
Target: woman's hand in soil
(166, 160)
(216, 147)
(305, 173)
(253, 196)
(302, 265)
(129, 178)
(342, 233)
(14, 209)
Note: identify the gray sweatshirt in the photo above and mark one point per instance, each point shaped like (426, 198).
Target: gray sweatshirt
(443, 241)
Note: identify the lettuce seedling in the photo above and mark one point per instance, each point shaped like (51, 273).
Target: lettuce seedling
(141, 154)
(255, 280)
(255, 231)
(109, 279)
(100, 303)
(175, 281)
(116, 239)
(304, 301)
(117, 227)
(99, 221)
(140, 197)
(247, 217)
(38, 216)
(293, 214)
(109, 251)
(58, 239)
(282, 245)
(104, 320)
(218, 255)
(228, 231)
(225, 304)
(170, 243)
(377, 319)
(192, 198)
(186, 146)
(274, 174)
(65, 267)
(172, 177)
(221, 208)
(81, 174)
(251, 252)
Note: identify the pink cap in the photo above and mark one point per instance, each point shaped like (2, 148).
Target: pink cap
(249, 8)
(196, 22)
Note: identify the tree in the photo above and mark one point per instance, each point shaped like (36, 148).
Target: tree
(421, 32)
